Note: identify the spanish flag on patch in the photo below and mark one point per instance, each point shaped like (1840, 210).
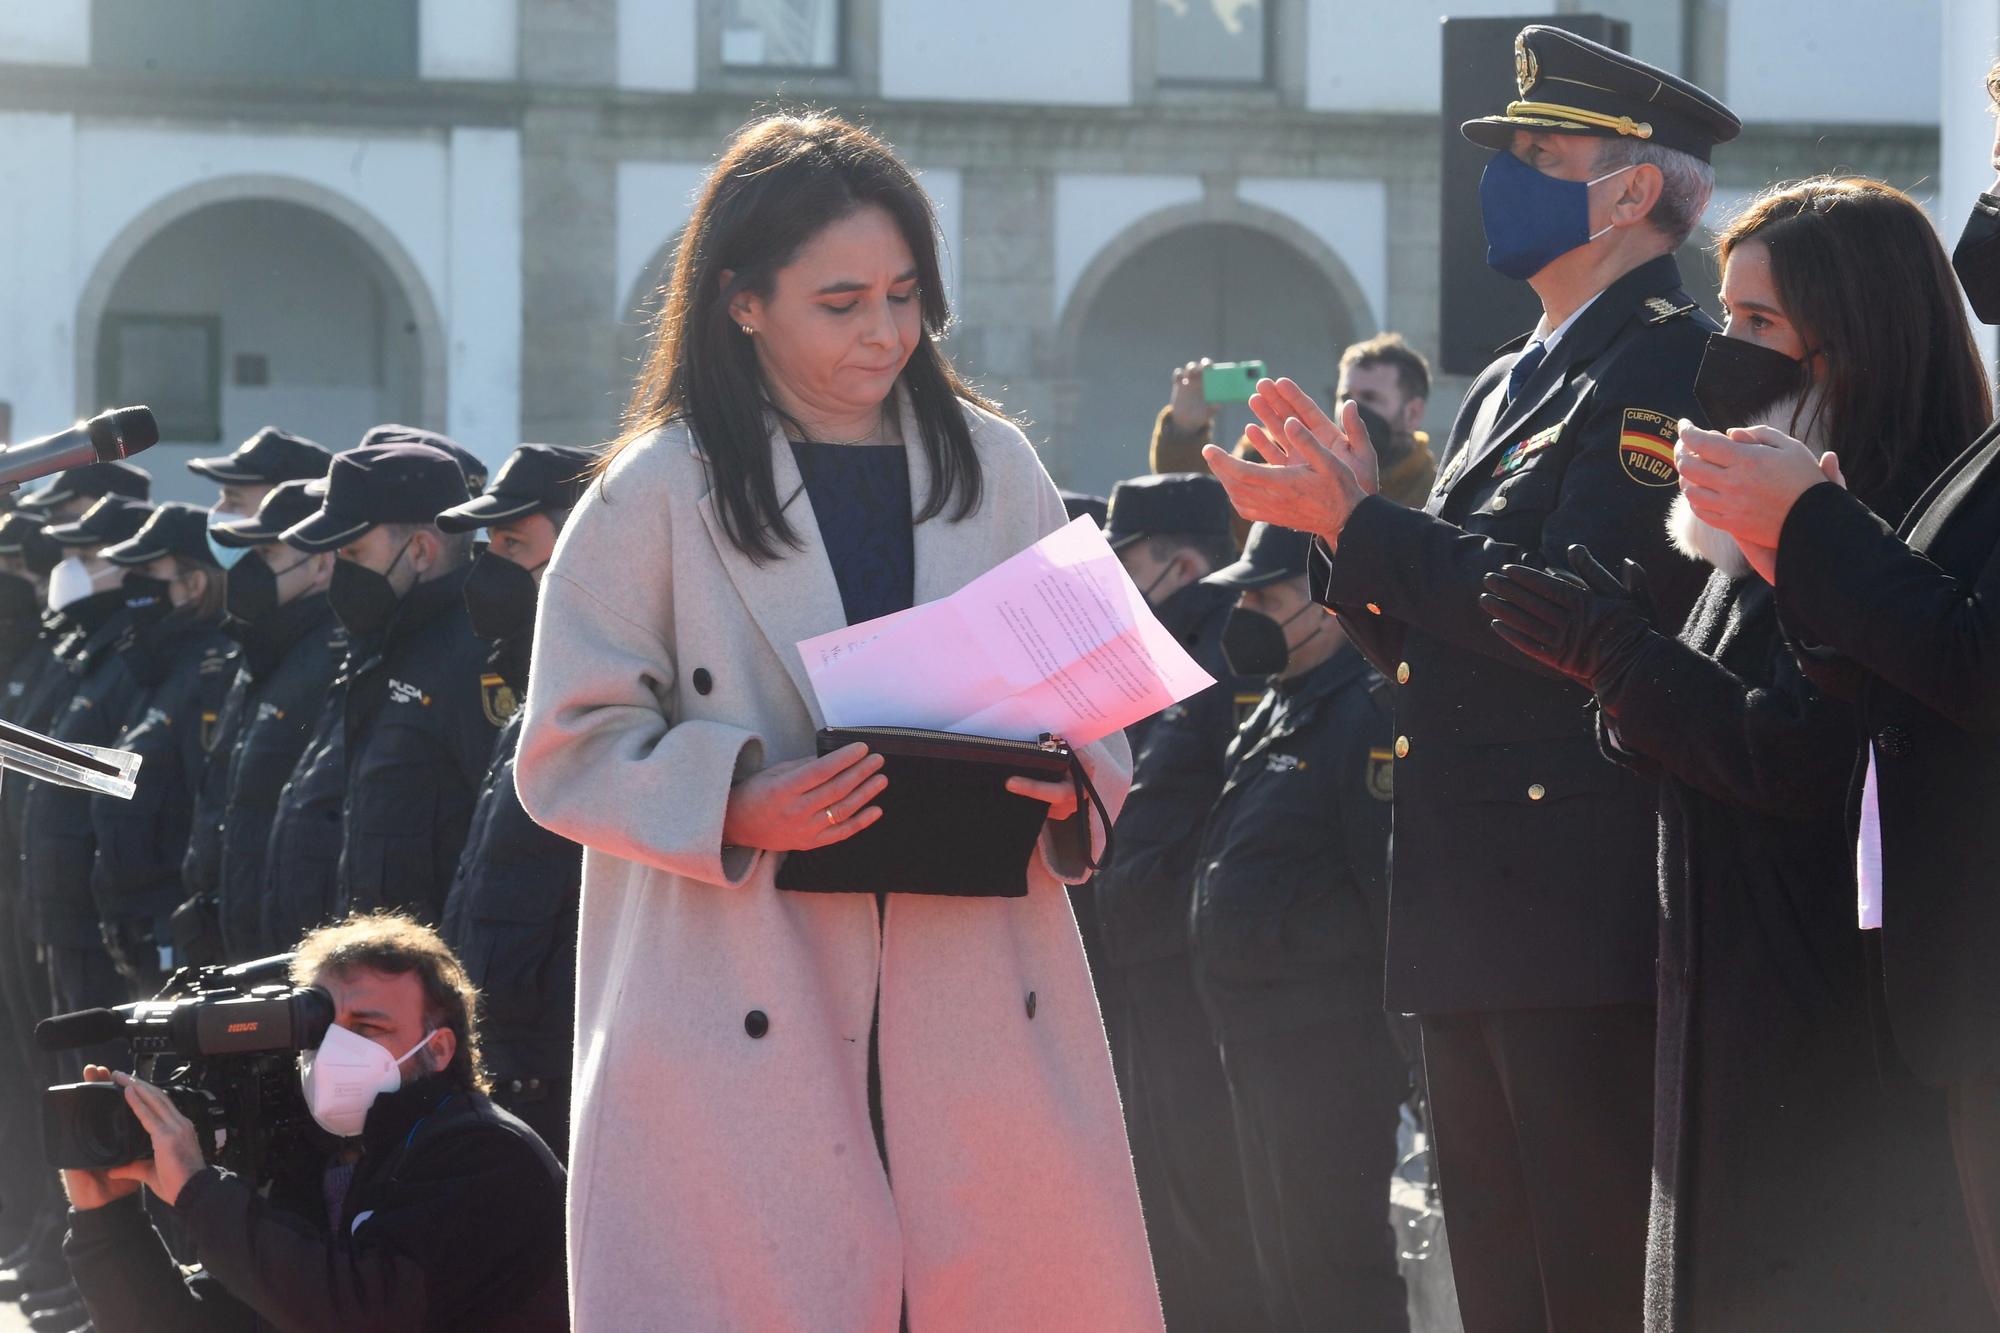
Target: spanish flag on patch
(1646, 447)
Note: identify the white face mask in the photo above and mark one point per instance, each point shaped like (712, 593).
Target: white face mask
(342, 1078)
(69, 582)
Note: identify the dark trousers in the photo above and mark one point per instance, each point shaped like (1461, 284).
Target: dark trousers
(84, 978)
(1316, 1116)
(23, 1180)
(1544, 1123)
(1974, 1106)
(1177, 1113)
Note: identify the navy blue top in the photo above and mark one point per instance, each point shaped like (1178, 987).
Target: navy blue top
(861, 495)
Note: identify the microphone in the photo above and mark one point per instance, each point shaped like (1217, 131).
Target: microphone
(85, 1027)
(105, 438)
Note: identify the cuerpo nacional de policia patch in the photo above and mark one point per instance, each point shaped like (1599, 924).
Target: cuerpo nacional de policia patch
(1646, 447)
(497, 699)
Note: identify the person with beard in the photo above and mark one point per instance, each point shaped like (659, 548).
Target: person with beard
(1899, 615)
(417, 715)
(1170, 532)
(512, 910)
(59, 839)
(1390, 378)
(1290, 910)
(1803, 1176)
(289, 647)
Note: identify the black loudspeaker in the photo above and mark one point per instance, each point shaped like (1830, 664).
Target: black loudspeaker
(1477, 308)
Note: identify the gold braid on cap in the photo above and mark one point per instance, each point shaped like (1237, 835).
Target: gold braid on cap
(1637, 129)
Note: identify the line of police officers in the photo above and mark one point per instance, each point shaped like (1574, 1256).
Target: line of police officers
(322, 675)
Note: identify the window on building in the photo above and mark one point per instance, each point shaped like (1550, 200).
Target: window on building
(311, 39)
(172, 364)
(781, 34)
(1212, 42)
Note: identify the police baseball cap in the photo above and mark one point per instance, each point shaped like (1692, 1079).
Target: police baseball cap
(1170, 503)
(468, 462)
(284, 506)
(171, 529)
(1076, 504)
(1272, 555)
(89, 481)
(266, 458)
(535, 479)
(22, 535)
(1572, 85)
(378, 483)
(111, 520)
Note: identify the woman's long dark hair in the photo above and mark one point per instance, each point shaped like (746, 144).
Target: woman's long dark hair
(1864, 279)
(783, 179)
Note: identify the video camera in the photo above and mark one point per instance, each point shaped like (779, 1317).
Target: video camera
(221, 1042)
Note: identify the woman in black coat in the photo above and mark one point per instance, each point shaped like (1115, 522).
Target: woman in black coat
(1802, 1175)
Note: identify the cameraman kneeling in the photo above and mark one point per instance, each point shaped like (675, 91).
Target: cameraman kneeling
(434, 1209)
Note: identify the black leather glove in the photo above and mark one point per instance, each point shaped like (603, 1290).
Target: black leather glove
(1589, 625)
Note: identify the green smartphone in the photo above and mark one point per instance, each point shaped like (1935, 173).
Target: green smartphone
(1231, 381)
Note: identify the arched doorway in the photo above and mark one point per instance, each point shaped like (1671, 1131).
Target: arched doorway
(1220, 289)
(249, 312)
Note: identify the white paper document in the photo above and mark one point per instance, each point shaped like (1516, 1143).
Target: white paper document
(1055, 640)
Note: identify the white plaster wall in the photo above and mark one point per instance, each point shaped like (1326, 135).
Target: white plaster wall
(38, 271)
(1375, 58)
(1350, 217)
(1093, 210)
(45, 32)
(1065, 52)
(946, 187)
(467, 39)
(483, 303)
(1833, 61)
(654, 201)
(656, 45)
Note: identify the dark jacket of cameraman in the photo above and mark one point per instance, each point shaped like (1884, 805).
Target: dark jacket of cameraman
(512, 917)
(180, 669)
(420, 722)
(453, 1221)
(58, 842)
(284, 665)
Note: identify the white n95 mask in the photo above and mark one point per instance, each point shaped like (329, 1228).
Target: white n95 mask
(69, 582)
(343, 1077)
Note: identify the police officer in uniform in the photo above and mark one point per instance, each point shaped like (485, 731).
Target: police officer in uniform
(1522, 928)
(417, 716)
(59, 839)
(511, 914)
(289, 647)
(246, 474)
(1171, 530)
(178, 658)
(1290, 906)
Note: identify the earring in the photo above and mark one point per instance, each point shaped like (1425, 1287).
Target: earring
(747, 330)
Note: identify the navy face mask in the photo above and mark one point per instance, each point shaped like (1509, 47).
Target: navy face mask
(1532, 220)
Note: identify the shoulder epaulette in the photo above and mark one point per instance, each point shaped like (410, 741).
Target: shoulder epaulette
(1658, 309)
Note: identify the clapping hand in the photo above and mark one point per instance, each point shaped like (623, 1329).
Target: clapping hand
(1317, 469)
(1587, 625)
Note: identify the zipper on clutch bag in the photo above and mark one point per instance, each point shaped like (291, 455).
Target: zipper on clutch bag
(1047, 744)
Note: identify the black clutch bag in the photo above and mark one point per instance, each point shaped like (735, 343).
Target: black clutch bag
(949, 825)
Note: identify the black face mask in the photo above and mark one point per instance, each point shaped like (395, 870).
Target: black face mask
(1976, 260)
(1740, 381)
(363, 601)
(252, 590)
(147, 599)
(501, 597)
(1254, 644)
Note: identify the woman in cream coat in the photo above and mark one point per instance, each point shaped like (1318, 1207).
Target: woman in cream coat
(725, 1166)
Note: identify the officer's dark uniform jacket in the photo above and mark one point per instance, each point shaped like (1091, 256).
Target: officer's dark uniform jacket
(453, 1221)
(511, 918)
(59, 839)
(33, 664)
(1523, 872)
(1142, 896)
(302, 859)
(181, 670)
(284, 666)
(419, 721)
(1291, 886)
(43, 693)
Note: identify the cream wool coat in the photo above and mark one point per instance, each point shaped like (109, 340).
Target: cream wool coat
(720, 1181)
